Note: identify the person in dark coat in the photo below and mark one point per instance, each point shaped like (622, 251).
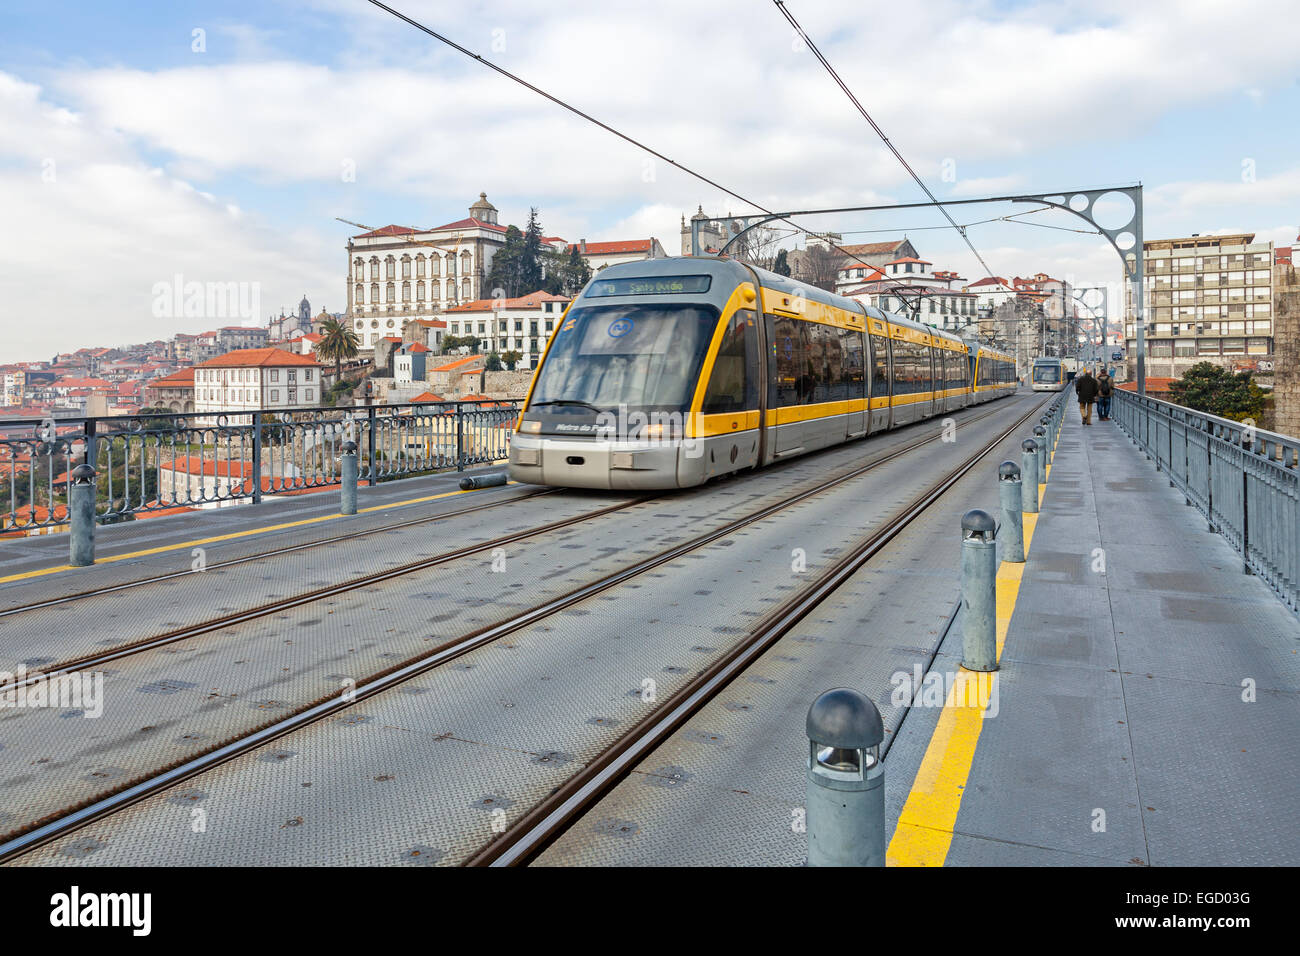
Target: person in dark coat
(1105, 385)
(1085, 387)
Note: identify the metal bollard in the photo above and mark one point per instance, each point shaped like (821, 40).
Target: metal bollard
(1044, 452)
(81, 517)
(348, 479)
(1013, 525)
(483, 481)
(1046, 422)
(1028, 466)
(979, 566)
(846, 781)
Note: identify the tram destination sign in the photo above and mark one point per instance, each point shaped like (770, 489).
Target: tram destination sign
(653, 285)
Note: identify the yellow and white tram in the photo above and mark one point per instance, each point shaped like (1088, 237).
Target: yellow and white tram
(666, 373)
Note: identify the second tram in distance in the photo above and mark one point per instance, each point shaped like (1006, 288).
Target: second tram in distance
(666, 373)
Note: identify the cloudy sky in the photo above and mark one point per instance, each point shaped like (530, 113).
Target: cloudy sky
(218, 140)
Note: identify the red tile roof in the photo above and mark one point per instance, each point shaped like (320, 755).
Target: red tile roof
(428, 397)
(386, 231)
(417, 347)
(909, 259)
(873, 248)
(532, 300)
(1154, 384)
(258, 358)
(458, 363)
(470, 223)
(182, 379)
(615, 247)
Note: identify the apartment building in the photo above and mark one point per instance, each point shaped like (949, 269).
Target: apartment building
(1206, 299)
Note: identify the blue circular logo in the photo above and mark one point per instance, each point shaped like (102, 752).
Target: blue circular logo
(619, 328)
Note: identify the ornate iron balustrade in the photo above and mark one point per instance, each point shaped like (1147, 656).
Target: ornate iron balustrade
(155, 462)
(1245, 481)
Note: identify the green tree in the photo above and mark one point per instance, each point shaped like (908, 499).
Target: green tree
(781, 265)
(451, 343)
(1211, 388)
(511, 359)
(337, 342)
(493, 362)
(530, 256)
(504, 275)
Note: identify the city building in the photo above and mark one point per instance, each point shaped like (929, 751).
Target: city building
(399, 273)
(523, 324)
(255, 379)
(174, 392)
(602, 254)
(409, 362)
(906, 285)
(1206, 299)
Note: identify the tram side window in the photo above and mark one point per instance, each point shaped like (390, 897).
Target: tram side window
(911, 367)
(879, 366)
(853, 374)
(951, 369)
(825, 363)
(785, 382)
(733, 386)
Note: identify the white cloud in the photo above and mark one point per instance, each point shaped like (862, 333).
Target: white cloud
(169, 170)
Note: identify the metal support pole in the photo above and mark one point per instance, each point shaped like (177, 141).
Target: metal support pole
(257, 458)
(1028, 466)
(371, 469)
(1013, 525)
(81, 516)
(845, 813)
(1044, 452)
(1046, 422)
(460, 437)
(348, 479)
(979, 565)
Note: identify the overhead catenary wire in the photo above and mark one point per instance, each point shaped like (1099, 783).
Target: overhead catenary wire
(812, 47)
(627, 138)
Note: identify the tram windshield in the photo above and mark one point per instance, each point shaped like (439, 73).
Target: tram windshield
(1047, 374)
(641, 356)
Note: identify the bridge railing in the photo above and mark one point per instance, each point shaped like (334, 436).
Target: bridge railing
(156, 462)
(1245, 481)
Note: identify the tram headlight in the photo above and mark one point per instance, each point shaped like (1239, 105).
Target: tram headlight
(530, 428)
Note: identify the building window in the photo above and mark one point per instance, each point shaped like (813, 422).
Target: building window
(307, 396)
(390, 268)
(360, 294)
(307, 374)
(275, 375)
(374, 293)
(275, 395)
(435, 265)
(390, 291)
(464, 289)
(406, 291)
(419, 286)
(406, 267)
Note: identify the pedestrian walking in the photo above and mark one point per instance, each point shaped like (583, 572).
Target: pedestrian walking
(1105, 385)
(1085, 388)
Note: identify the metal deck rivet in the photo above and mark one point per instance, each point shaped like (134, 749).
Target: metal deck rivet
(553, 758)
(670, 777)
(276, 756)
(492, 802)
(79, 849)
(423, 855)
(603, 721)
(186, 798)
(165, 687)
(619, 828)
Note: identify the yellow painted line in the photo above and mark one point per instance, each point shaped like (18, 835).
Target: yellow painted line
(26, 575)
(925, 827)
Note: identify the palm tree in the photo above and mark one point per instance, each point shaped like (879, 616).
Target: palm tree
(337, 342)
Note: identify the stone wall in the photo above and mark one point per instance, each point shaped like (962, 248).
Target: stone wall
(1286, 350)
